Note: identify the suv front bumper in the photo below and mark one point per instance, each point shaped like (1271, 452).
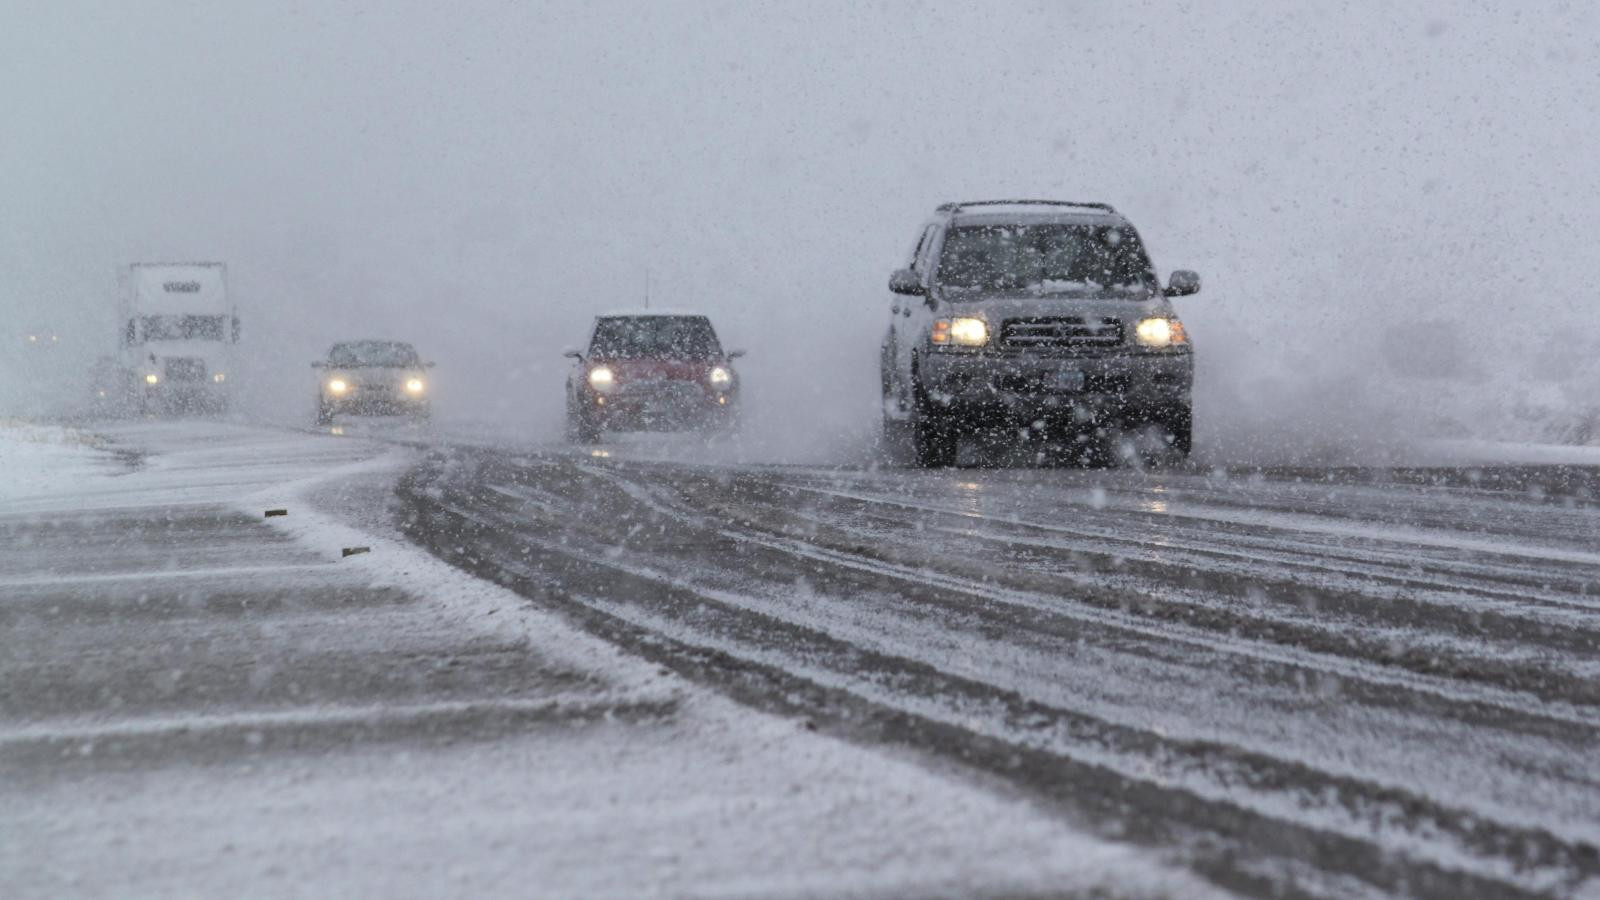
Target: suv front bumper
(986, 389)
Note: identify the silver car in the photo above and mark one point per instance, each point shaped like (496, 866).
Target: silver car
(1033, 317)
(384, 378)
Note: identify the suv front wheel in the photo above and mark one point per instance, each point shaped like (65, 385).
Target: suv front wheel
(933, 440)
(1179, 423)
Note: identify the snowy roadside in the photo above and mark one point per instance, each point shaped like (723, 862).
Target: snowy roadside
(1480, 452)
(201, 700)
(37, 460)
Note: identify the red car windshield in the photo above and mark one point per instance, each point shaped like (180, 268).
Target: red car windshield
(655, 337)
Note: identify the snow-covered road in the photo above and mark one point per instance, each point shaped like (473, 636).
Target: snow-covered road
(201, 700)
(1318, 681)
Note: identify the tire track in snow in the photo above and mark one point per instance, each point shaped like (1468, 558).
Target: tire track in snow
(582, 541)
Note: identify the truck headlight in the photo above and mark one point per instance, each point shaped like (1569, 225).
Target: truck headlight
(414, 385)
(152, 378)
(962, 331)
(602, 379)
(337, 386)
(1159, 332)
(720, 377)
(219, 377)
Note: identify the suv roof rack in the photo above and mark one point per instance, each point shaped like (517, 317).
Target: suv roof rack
(959, 206)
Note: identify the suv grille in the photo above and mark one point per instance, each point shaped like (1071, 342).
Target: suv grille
(1033, 383)
(1059, 332)
(185, 368)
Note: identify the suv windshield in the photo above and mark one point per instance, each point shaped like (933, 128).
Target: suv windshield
(655, 337)
(386, 354)
(1046, 259)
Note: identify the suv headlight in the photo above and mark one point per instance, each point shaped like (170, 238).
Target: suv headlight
(962, 331)
(414, 385)
(720, 377)
(337, 386)
(1160, 332)
(602, 379)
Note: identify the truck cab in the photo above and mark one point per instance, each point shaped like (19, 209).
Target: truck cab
(179, 334)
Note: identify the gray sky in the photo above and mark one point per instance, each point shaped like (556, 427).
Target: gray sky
(482, 177)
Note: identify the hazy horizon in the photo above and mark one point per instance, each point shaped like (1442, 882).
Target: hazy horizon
(1392, 208)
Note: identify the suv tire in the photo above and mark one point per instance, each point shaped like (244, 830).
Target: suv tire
(1180, 425)
(934, 441)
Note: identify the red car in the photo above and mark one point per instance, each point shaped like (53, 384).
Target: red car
(651, 371)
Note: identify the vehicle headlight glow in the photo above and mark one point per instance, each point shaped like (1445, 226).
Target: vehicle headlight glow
(720, 376)
(969, 332)
(219, 377)
(152, 378)
(963, 331)
(602, 379)
(1160, 332)
(414, 385)
(337, 386)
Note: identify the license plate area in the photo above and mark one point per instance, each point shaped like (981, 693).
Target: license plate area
(1069, 381)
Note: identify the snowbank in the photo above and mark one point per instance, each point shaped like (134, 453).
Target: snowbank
(40, 461)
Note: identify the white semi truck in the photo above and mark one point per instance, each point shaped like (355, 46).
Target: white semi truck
(180, 330)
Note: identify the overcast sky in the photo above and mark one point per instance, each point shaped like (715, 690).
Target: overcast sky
(1363, 188)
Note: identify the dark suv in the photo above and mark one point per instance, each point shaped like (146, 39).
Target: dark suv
(1033, 317)
(372, 378)
(654, 371)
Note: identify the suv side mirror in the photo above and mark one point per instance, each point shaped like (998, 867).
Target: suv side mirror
(735, 354)
(319, 365)
(572, 353)
(1182, 283)
(429, 365)
(905, 281)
